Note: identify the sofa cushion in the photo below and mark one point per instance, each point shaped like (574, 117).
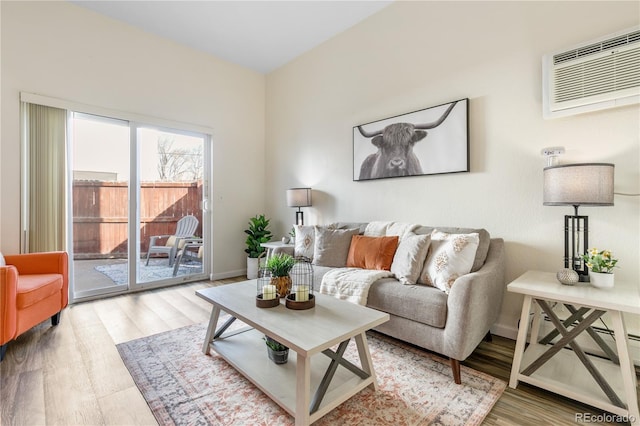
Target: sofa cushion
(372, 252)
(410, 257)
(376, 229)
(426, 305)
(332, 246)
(380, 229)
(350, 225)
(37, 287)
(483, 246)
(318, 274)
(451, 256)
(304, 241)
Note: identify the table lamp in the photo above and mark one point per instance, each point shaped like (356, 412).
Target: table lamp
(299, 197)
(586, 184)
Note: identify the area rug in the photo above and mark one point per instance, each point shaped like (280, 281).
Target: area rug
(182, 386)
(158, 269)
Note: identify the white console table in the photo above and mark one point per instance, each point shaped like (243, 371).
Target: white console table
(608, 384)
(272, 245)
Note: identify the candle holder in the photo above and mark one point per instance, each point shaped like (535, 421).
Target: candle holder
(301, 295)
(266, 293)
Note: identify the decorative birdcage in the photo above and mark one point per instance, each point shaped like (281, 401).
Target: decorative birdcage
(301, 295)
(266, 293)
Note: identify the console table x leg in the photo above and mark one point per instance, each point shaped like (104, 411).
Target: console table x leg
(577, 315)
(568, 339)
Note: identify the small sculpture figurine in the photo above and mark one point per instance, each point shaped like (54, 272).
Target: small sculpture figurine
(567, 276)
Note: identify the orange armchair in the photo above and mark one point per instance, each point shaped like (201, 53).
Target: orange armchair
(33, 288)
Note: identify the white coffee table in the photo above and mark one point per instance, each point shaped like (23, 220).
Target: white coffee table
(317, 379)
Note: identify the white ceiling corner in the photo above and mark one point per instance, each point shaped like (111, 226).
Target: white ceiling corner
(260, 35)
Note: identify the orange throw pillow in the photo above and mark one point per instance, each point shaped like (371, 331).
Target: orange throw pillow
(372, 252)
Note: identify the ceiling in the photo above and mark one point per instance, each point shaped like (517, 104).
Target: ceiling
(261, 35)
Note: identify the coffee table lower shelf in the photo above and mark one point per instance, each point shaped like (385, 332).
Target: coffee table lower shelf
(247, 353)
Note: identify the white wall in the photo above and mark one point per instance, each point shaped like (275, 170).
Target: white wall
(413, 55)
(60, 50)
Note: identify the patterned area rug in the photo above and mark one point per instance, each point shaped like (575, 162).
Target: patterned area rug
(158, 269)
(185, 387)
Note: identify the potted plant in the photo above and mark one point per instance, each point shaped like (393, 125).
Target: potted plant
(277, 352)
(280, 264)
(600, 264)
(256, 234)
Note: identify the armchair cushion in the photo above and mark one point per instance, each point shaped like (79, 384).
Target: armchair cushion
(34, 288)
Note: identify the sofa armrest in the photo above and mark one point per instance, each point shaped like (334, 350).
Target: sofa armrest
(8, 294)
(474, 304)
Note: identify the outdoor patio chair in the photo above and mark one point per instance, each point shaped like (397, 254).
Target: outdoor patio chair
(184, 229)
(191, 250)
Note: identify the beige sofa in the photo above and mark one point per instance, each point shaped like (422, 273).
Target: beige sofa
(450, 324)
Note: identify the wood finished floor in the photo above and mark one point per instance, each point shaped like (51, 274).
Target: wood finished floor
(72, 374)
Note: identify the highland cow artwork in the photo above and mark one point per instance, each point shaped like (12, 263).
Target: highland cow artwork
(430, 141)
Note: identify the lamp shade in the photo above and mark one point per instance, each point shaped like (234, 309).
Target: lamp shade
(587, 184)
(299, 197)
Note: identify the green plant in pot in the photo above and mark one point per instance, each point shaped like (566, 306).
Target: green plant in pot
(277, 352)
(280, 264)
(257, 233)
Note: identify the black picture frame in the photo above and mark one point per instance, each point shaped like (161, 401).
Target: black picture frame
(429, 141)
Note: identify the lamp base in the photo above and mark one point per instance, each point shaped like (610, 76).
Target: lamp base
(576, 241)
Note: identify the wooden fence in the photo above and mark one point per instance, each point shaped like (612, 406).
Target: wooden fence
(100, 214)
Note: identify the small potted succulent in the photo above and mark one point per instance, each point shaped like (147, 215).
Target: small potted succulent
(280, 264)
(277, 352)
(600, 264)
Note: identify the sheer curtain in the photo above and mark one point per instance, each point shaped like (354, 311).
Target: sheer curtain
(45, 131)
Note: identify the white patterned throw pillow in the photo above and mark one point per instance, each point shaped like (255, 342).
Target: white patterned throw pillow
(305, 239)
(451, 256)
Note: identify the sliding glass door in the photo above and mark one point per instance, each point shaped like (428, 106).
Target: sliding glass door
(100, 177)
(137, 196)
(171, 197)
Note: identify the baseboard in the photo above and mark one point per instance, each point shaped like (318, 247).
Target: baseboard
(228, 274)
(504, 330)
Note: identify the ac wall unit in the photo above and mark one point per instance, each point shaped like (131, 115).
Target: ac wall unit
(599, 74)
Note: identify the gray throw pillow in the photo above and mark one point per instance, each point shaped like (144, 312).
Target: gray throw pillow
(332, 246)
(410, 257)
